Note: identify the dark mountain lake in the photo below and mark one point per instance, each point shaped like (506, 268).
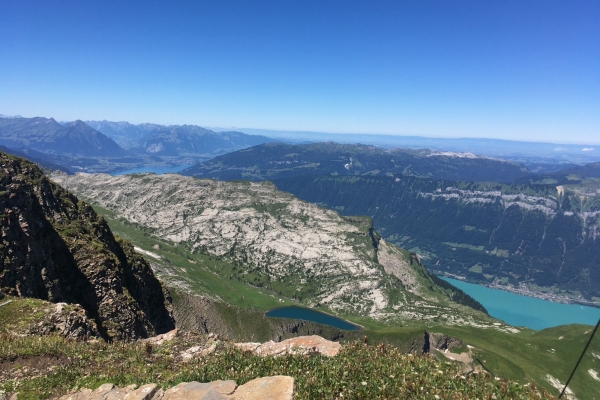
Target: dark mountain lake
(152, 168)
(519, 310)
(308, 314)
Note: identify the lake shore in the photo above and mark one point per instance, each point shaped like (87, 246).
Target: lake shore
(525, 290)
(519, 310)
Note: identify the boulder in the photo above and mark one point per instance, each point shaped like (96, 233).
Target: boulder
(194, 390)
(270, 387)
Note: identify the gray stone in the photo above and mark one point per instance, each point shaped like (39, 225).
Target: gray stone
(83, 394)
(145, 392)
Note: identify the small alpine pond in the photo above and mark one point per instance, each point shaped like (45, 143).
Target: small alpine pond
(308, 314)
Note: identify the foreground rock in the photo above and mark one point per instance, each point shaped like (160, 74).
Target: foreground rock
(272, 387)
(299, 345)
(302, 345)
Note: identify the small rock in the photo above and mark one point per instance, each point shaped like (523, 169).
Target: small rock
(145, 392)
(190, 353)
(83, 394)
(160, 339)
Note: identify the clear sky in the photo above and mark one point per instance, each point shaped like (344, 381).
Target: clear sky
(525, 70)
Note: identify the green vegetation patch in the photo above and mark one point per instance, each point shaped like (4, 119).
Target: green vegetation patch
(477, 268)
(464, 246)
(358, 372)
(18, 313)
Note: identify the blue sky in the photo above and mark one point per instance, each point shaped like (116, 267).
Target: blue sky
(525, 70)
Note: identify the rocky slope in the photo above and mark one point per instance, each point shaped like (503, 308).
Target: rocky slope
(273, 240)
(55, 247)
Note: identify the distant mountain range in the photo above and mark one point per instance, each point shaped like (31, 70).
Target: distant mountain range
(533, 155)
(47, 135)
(107, 146)
(175, 140)
(279, 160)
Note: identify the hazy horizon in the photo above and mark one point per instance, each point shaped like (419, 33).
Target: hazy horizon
(275, 132)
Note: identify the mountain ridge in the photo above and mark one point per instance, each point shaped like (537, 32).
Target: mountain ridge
(175, 140)
(279, 160)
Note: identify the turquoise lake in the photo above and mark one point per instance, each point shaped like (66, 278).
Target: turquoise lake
(155, 169)
(308, 314)
(519, 310)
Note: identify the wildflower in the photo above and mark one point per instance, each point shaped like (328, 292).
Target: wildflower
(364, 383)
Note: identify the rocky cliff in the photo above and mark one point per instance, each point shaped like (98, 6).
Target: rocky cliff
(55, 247)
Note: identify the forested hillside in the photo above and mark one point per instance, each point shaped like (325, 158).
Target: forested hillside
(492, 233)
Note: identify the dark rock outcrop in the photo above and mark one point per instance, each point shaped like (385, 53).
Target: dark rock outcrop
(67, 320)
(55, 247)
(438, 341)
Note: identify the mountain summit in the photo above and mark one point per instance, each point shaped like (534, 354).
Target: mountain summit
(47, 135)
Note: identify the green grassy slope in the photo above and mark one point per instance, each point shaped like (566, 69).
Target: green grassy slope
(43, 367)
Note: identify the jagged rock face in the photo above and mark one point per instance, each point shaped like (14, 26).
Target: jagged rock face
(55, 247)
